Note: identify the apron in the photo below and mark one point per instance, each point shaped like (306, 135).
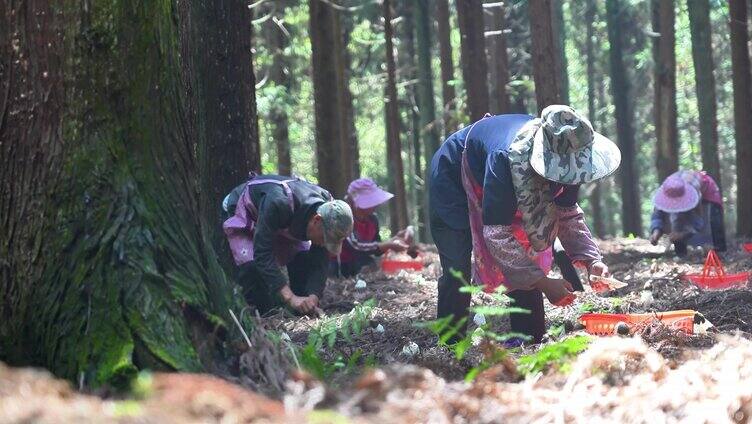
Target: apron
(486, 269)
(240, 227)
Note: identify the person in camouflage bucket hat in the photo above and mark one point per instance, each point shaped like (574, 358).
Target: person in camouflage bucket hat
(275, 221)
(337, 222)
(567, 150)
(501, 191)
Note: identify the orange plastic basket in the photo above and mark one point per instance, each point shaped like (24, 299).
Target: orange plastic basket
(714, 277)
(605, 324)
(391, 266)
(747, 247)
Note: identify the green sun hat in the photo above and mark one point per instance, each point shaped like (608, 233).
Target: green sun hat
(338, 224)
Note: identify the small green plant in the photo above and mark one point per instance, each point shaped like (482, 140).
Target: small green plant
(558, 355)
(325, 336)
(344, 326)
(586, 307)
(616, 302)
(448, 330)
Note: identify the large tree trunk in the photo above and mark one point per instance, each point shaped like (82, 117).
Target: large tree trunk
(702, 56)
(429, 134)
(108, 181)
(664, 83)
(620, 91)
(225, 87)
(448, 96)
(595, 197)
(560, 37)
(333, 146)
(545, 56)
(474, 66)
(500, 60)
(279, 74)
(742, 113)
(398, 205)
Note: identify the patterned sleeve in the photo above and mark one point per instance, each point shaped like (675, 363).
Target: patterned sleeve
(519, 269)
(364, 247)
(575, 236)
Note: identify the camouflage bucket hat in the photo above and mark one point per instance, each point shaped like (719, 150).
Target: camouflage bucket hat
(567, 150)
(338, 224)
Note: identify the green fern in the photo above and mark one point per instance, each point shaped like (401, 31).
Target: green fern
(557, 355)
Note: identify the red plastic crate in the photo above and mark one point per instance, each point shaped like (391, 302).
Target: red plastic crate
(605, 324)
(391, 266)
(714, 276)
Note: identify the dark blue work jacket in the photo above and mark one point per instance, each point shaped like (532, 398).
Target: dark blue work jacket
(488, 158)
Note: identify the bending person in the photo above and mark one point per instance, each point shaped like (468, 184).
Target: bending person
(513, 181)
(689, 207)
(360, 247)
(282, 221)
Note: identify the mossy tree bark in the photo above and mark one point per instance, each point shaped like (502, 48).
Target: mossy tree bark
(109, 163)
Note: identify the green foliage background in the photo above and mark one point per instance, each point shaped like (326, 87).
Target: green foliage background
(367, 51)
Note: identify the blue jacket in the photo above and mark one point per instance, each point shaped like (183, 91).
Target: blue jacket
(488, 152)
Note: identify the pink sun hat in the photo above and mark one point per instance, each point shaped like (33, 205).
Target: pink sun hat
(676, 194)
(365, 194)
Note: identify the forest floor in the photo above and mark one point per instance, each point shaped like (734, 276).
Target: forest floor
(368, 360)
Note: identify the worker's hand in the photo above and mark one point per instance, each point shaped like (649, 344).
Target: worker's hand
(555, 289)
(304, 304)
(599, 268)
(394, 244)
(655, 236)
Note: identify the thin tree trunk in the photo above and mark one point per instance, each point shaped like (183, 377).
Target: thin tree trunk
(667, 134)
(407, 72)
(621, 91)
(347, 102)
(279, 74)
(429, 134)
(702, 56)
(332, 143)
(398, 206)
(501, 61)
(474, 65)
(448, 96)
(546, 66)
(595, 197)
(607, 187)
(742, 115)
(560, 36)
(520, 66)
